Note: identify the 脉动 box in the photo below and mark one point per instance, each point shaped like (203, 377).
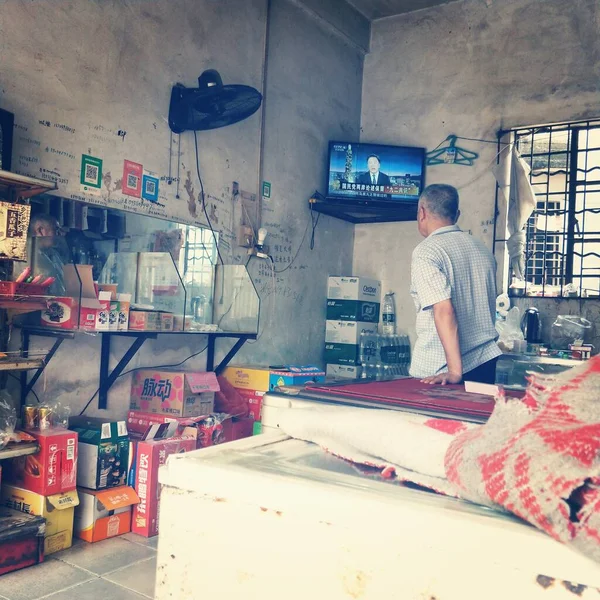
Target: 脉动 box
(150, 456)
(103, 514)
(53, 469)
(103, 452)
(175, 393)
(58, 510)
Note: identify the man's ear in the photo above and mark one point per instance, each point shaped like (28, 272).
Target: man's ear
(457, 216)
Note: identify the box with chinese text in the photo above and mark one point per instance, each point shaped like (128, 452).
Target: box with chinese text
(103, 452)
(175, 393)
(150, 456)
(103, 514)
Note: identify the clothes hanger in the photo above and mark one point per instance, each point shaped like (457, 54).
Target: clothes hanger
(450, 153)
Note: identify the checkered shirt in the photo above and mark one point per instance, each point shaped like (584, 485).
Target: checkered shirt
(451, 264)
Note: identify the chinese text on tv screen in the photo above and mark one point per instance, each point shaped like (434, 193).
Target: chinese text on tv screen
(375, 172)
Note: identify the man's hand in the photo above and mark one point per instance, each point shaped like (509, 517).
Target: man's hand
(443, 379)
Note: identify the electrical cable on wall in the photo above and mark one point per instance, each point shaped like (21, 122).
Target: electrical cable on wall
(203, 199)
(141, 369)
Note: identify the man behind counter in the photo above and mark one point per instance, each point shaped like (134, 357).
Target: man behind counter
(50, 252)
(453, 285)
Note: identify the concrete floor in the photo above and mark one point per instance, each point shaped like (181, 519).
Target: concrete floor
(122, 568)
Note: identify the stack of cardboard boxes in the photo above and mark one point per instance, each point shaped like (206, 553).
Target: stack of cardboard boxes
(44, 484)
(253, 382)
(353, 306)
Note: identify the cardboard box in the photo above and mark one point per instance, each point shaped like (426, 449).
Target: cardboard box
(263, 379)
(353, 310)
(150, 456)
(81, 307)
(175, 393)
(291, 375)
(144, 320)
(103, 452)
(124, 301)
(354, 288)
(22, 542)
(238, 428)
(103, 514)
(53, 469)
(343, 371)
(166, 321)
(58, 510)
(341, 354)
(254, 399)
(347, 332)
(144, 425)
(248, 378)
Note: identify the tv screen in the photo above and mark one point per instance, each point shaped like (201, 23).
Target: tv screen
(7, 121)
(375, 172)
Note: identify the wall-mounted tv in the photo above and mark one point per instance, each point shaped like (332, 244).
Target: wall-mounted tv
(7, 121)
(376, 173)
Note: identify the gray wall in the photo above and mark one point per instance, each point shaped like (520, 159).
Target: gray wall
(470, 68)
(102, 66)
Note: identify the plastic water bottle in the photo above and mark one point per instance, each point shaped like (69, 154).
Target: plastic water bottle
(362, 348)
(389, 315)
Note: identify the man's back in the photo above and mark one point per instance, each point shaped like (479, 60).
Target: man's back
(451, 264)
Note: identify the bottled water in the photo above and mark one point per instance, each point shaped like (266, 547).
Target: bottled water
(389, 315)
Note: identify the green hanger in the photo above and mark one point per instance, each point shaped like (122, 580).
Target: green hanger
(452, 154)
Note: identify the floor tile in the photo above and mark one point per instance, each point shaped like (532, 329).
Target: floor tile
(41, 580)
(140, 539)
(95, 589)
(103, 557)
(139, 577)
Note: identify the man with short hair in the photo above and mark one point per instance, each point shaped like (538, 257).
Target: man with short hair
(374, 176)
(49, 252)
(453, 285)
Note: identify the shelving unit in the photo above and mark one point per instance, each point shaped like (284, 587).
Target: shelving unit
(14, 186)
(16, 450)
(108, 377)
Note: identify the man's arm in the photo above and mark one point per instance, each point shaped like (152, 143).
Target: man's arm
(447, 329)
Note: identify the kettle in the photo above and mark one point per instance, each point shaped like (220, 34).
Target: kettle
(531, 326)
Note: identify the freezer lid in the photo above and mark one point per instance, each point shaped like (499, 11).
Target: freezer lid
(279, 476)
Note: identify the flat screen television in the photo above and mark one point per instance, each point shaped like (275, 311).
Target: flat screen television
(7, 121)
(375, 173)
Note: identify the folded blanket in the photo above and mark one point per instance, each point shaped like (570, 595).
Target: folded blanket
(539, 457)
(405, 447)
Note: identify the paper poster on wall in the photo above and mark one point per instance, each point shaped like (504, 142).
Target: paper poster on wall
(132, 178)
(91, 174)
(150, 188)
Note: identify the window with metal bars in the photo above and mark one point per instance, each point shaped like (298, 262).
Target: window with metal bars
(563, 233)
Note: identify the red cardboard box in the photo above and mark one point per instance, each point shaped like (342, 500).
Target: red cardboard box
(53, 469)
(152, 425)
(238, 428)
(254, 399)
(149, 457)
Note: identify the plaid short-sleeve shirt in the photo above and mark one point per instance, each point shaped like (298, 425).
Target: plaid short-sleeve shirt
(451, 264)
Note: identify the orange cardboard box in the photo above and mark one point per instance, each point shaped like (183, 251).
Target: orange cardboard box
(103, 514)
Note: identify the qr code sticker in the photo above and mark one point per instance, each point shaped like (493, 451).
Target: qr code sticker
(150, 187)
(70, 452)
(132, 181)
(91, 174)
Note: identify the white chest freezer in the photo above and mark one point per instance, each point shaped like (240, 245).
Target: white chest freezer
(274, 518)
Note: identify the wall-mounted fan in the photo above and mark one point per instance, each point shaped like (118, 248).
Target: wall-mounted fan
(211, 105)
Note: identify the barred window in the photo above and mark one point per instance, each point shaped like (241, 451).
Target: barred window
(563, 232)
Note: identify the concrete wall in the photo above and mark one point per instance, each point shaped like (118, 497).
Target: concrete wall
(470, 68)
(90, 69)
